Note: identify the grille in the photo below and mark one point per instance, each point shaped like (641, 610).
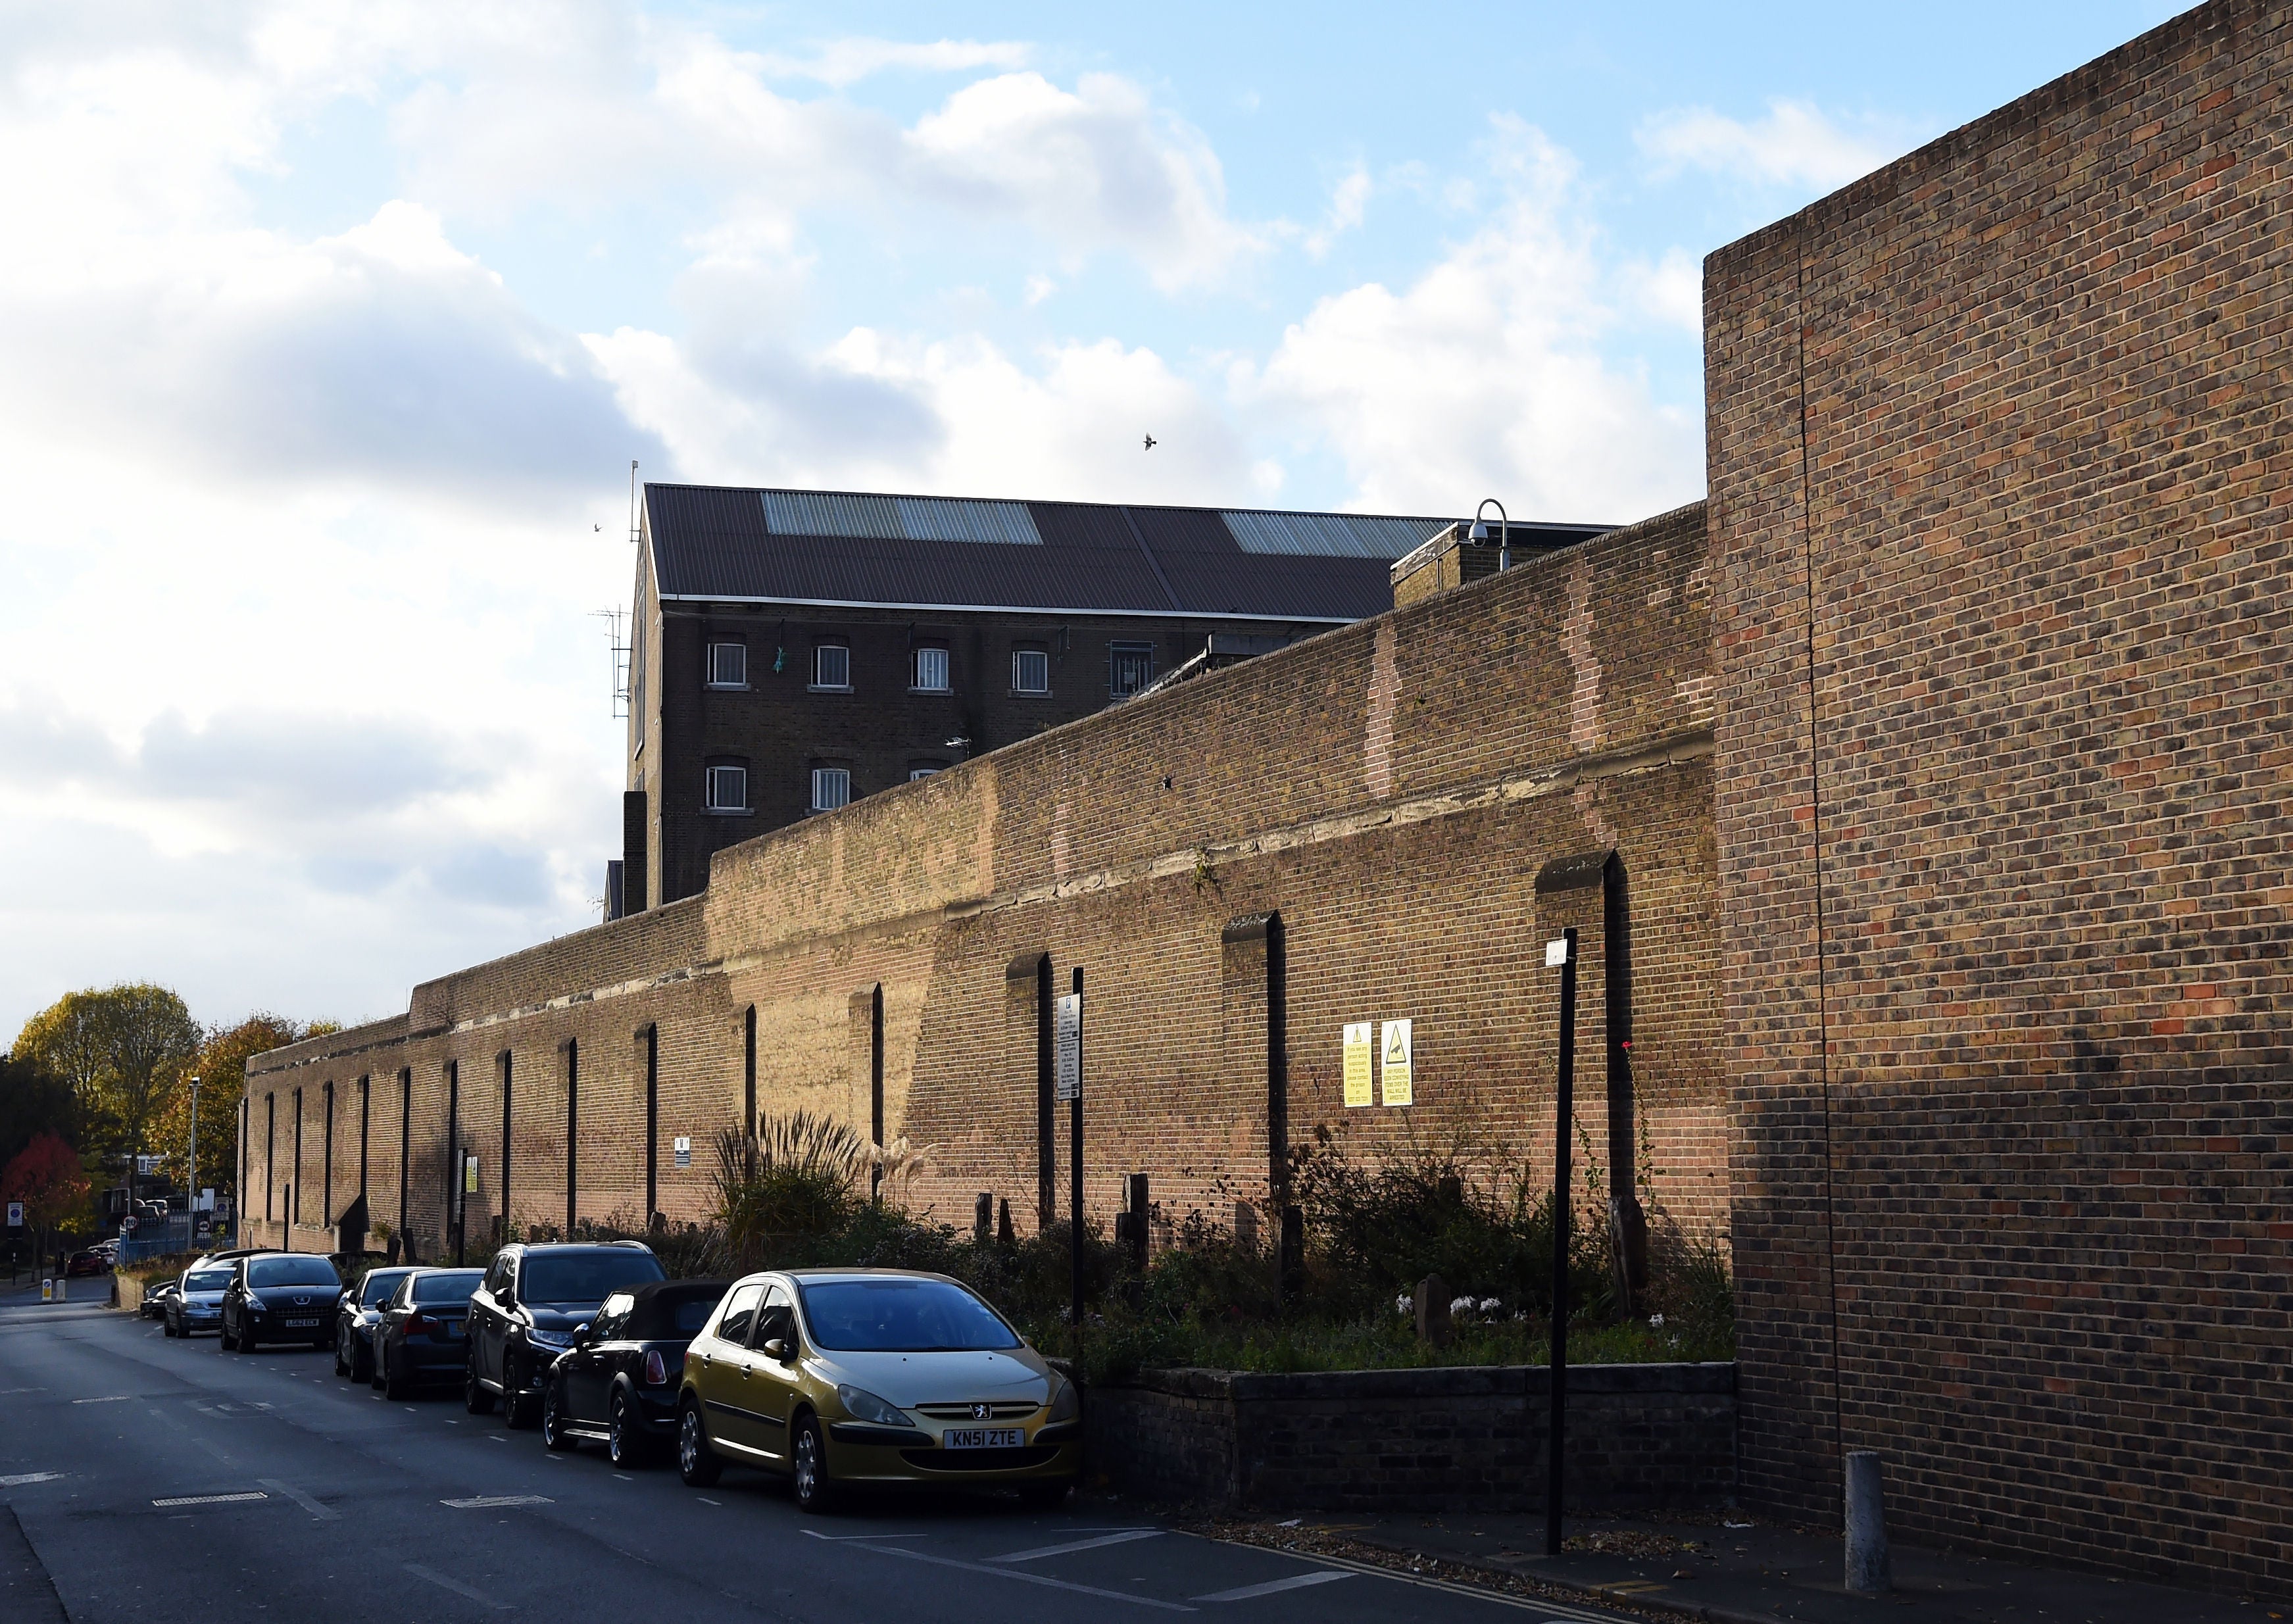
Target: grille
(962, 1412)
(980, 1460)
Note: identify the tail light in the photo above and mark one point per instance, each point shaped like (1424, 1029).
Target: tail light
(419, 1322)
(656, 1369)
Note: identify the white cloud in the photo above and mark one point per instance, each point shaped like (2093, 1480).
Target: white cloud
(1485, 376)
(841, 62)
(1348, 206)
(1796, 144)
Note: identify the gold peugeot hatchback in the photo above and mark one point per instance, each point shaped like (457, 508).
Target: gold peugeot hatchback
(873, 1375)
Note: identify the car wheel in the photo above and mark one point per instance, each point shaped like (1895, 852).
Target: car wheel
(246, 1338)
(476, 1399)
(554, 1435)
(1044, 1497)
(625, 1444)
(342, 1352)
(696, 1463)
(815, 1491)
(373, 1369)
(517, 1403)
(394, 1385)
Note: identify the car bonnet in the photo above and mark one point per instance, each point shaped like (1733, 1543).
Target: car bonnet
(910, 1379)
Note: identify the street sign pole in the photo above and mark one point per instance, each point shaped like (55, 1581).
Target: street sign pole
(192, 1162)
(1563, 954)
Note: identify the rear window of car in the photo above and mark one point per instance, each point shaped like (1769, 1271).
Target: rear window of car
(446, 1286)
(213, 1279)
(380, 1285)
(585, 1277)
(901, 1317)
(292, 1271)
(693, 1315)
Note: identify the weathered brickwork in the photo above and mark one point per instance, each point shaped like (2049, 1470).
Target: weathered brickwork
(1473, 1438)
(1390, 791)
(1998, 460)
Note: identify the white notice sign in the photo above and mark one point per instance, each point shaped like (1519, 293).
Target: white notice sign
(1393, 1062)
(684, 1150)
(1361, 1054)
(1067, 1044)
(1556, 952)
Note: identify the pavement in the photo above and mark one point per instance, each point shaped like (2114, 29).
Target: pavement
(1732, 1568)
(147, 1479)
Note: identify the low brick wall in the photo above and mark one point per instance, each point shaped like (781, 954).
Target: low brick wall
(1428, 1439)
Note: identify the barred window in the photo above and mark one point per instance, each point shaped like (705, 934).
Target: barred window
(831, 666)
(1031, 671)
(728, 789)
(832, 787)
(931, 670)
(728, 665)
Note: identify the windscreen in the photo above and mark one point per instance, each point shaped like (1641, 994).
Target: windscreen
(292, 1272)
(446, 1286)
(378, 1286)
(211, 1280)
(585, 1277)
(902, 1317)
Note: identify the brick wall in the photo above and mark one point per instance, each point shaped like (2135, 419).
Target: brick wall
(1639, 1436)
(1391, 789)
(1998, 471)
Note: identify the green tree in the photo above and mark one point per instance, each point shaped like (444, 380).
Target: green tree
(33, 1102)
(221, 1068)
(123, 1049)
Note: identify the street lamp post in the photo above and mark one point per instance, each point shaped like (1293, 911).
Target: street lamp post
(191, 1164)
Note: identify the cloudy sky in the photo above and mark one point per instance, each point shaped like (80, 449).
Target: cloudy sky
(328, 334)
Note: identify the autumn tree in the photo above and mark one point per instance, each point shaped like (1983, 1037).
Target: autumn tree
(221, 1068)
(32, 1102)
(45, 1175)
(123, 1049)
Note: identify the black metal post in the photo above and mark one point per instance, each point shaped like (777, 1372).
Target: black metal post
(1074, 1175)
(1564, 1121)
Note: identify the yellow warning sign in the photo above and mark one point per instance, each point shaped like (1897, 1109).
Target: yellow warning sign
(1360, 1055)
(1393, 1062)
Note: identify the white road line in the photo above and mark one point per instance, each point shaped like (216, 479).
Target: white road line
(1555, 1612)
(487, 1502)
(705, 1500)
(1031, 1579)
(5, 1392)
(21, 1478)
(456, 1586)
(324, 1513)
(1125, 1538)
(1296, 1581)
(839, 1539)
(211, 1500)
(116, 1398)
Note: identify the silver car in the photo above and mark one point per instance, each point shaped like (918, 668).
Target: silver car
(197, 1302)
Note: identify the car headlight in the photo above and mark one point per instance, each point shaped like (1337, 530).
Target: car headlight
(1067, 1403)
(862, 1405)
(555, 1340)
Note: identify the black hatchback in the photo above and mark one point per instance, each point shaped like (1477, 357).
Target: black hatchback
(617, 1384)
(422, 1334)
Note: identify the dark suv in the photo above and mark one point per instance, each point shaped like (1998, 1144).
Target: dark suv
(533, 1301)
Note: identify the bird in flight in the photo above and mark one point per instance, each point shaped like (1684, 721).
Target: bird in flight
(1150, 443)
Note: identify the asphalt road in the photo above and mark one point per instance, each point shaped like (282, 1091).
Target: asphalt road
(143, 1478)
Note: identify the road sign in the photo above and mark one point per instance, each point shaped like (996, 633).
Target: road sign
(15, 1214)
(1361, 1053)
(1394, 1063)
(470, 1174)
(684, 1150)
(1069, 1045)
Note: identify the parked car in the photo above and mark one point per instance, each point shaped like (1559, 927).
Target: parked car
(91, 1260)
(421, 1336)
(355, 1312)
(279, 1296)
(198, 1303)
(534, 1300)
(617, 1384)
(154, 1305)
(873, 1375)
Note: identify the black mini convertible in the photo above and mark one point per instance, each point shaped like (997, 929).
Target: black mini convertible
(617, 1384)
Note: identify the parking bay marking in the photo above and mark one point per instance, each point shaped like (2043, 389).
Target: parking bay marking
(1121, 1537)
(456, 1586)
(324, 1513)
(1031, 1579)
(21, 1478)
(116, 1398)
(1296, 1581)
(210, 1499)
(489, 1502)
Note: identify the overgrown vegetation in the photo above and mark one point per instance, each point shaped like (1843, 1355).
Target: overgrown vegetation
(797, 1194)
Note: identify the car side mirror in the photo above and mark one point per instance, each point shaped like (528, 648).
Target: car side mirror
(581, 1332)
(777, 1350)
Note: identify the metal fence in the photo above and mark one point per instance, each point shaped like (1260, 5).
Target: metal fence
(154, 1237)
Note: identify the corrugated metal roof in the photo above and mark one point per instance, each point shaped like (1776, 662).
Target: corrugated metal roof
(826, 546)
(911, 519)
(1329, 535)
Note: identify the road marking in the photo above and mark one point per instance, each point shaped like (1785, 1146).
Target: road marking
(487, 1502)
(1555, 1612)
(116, 1398)
(5, 1392)
(21, 1478)
(324, 1513)
(1296, 1581)
(816, 1534)
(705, 1500)
(497, 1437)
(456, 1586)
(211, 1500)
(1032, 1579)
(1124, 1538)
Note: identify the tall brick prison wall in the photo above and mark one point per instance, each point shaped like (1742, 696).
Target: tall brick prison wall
(1390, 791)
(1998, 459)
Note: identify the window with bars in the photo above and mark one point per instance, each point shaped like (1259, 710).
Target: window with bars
(831, 666)
(930, 670)
(1129, 667)
(832, 787)
(728, 789)
(1031, 671)
(728, 665)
